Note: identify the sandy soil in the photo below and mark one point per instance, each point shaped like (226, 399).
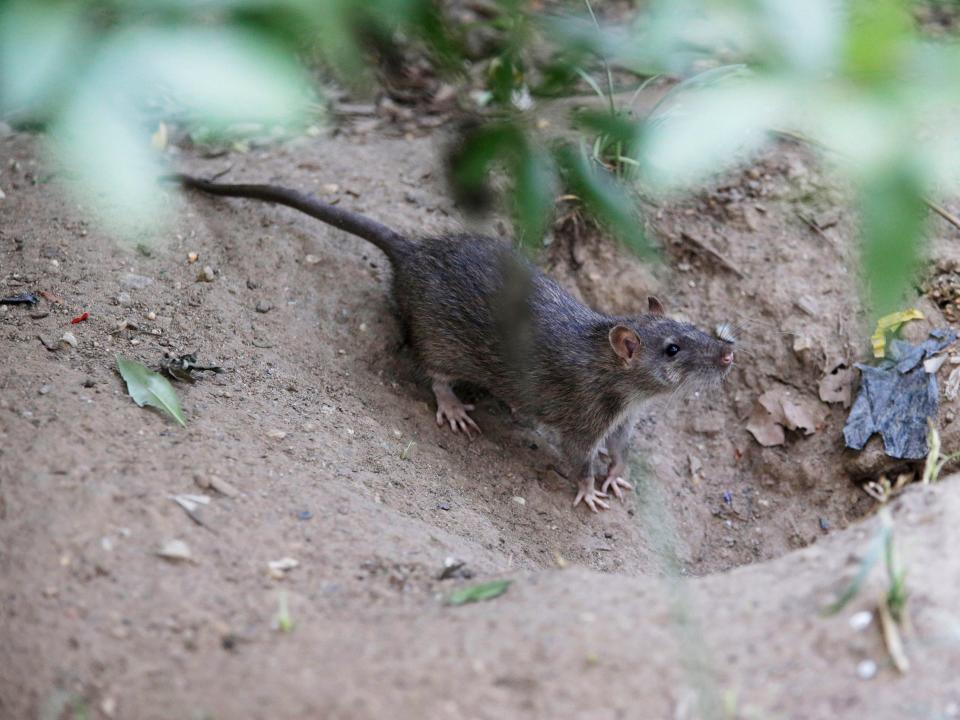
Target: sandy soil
(700, 597)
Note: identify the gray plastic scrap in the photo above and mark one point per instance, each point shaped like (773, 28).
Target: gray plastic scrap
(896, 398)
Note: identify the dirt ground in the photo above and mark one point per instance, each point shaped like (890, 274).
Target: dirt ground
(699, 597)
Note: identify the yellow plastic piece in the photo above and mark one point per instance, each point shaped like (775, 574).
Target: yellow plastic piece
(891, 323)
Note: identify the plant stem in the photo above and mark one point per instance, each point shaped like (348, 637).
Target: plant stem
(606, 65)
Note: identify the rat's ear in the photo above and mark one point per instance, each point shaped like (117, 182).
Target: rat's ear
(654, 306)
(624, 342)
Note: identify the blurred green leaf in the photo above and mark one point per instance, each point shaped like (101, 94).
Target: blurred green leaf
(606, 199)
(533, 195)
(40, 46)
(225, 74)
(103, 147)
(893, 214)
(477, 593)
(474, 157)
(149, 388)
(712, 129)
(877, 34)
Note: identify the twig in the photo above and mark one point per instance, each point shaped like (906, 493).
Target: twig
(944, 213)
(700, 246)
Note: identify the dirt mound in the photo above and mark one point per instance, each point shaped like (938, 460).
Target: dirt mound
(321, 426)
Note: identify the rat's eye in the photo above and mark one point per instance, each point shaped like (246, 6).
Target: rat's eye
(672, 350)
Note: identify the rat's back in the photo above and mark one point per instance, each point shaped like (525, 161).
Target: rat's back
(475, 310)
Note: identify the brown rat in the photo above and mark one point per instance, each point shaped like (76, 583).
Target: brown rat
(475, 310)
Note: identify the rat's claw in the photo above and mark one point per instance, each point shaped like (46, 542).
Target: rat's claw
(591, 497)
(454, 413)
(616, 483)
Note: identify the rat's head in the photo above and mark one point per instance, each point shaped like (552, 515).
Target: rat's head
(667, 355)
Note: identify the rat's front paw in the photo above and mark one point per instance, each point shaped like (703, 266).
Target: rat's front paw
(591, 497)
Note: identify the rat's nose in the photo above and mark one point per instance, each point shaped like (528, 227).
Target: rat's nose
(726, 357)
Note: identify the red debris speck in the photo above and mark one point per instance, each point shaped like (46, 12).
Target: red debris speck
(80, 318)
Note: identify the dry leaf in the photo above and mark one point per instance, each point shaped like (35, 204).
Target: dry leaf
(837, 387)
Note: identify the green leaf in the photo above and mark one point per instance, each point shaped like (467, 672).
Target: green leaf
(606, 199)
(474, 157)
(477, 593)
(40, 51)
(149, 388)
(533, 195)
(892, 227)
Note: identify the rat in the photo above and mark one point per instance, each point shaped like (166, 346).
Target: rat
(475, 310)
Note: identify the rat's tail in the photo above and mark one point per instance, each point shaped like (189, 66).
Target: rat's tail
(391, 242)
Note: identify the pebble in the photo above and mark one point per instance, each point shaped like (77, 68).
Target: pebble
(309, 427)
(264, 306)
(132, 281)
(330, 188)
(108, 706)
(175, 550)
(519, 500)
(44, 389)
(2, 194)
(206, 275)
(278, 568)
(192, 257)
(866, 669)
(859, 621)
(223, 487)
(69, 338)
(304, 515)
(151, 315)
(276, 434)
(397, 434)
(311, 260)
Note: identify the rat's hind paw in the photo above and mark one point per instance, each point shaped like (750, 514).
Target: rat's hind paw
(453, 412)
(456, 416)
(590, 496)
(616, 482)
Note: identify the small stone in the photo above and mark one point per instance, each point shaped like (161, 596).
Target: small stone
(123, 299)
(866, 669)
(175, 551)
(363, 327)
(859, 621)
(50, 591)
(304, 515)
(264, 306)
(309, 427)
(69, 338)
(2, 194)
(223, 487)
(44, 389)
(330, 188)
(444, 506)
(311, 260)
(278, 568)
(201, 480)
(192, 257)
(151, 316)
(276, 434)
(206, 275)
(108, 706)
(397, 434)
(132, 281)
(519, 500)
